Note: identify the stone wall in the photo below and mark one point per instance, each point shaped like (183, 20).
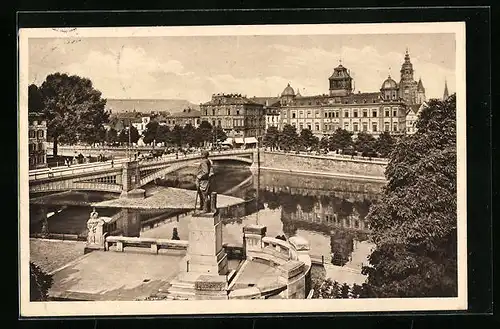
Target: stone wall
(321, 164)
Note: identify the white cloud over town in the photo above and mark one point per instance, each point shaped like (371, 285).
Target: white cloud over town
(194, 69)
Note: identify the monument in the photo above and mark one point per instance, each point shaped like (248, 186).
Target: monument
(204, 269)
(95, 235)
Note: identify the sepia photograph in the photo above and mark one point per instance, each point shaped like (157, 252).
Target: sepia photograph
(242, 169)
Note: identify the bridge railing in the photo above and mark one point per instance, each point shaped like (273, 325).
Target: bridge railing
(45, 174)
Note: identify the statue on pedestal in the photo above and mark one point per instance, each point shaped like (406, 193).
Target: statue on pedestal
(203, 177)
(95, 229)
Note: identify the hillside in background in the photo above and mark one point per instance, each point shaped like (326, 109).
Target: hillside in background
(148, 105)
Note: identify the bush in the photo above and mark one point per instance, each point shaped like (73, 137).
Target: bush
(40, 283)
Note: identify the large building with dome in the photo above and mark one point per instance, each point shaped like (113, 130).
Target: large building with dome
(393, 107)
(371, 112)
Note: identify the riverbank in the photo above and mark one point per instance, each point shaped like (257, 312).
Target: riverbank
(320, 165)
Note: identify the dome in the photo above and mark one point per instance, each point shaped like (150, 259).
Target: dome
(288, 91)
(389, 83)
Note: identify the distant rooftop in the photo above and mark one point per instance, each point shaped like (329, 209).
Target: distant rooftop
(148, 105)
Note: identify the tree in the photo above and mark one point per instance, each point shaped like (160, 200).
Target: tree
(111, 135)
(151, 132)
(219, 134)
(414, 224)
(35, 100)
(384, 144)
(203, 133)
(176, 135)
(189, 134)
(271, 138)
(73, 109)
(163, 134)
(134, 135)
(288, 138)
(40, 283)
(341, 139)
(308, 139)
(324, 143)
(364, 143)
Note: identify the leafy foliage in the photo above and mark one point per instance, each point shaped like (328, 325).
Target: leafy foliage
(40, 283)
(134, 135)
(219, 134)
(271, 138)
(73, 108)
(288, 138)
(364, 143)
(308, 139)
(331, 289)
(341, 139)
(384, 144)
(204, 133)
(414, 224)
(151, 132)
(35, 100)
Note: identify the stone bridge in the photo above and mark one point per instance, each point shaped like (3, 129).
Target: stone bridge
(122, 176)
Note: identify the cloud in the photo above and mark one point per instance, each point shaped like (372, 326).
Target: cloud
(145, 70)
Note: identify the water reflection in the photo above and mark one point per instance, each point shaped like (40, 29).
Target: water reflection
(330, 213)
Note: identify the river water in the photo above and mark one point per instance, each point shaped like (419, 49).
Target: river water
(329, 212)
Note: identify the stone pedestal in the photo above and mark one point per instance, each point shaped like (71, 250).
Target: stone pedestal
(252, 239)
(203, 272)
(205, 254)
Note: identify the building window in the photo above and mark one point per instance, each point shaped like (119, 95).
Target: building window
(355, 126)
(355, 114)
(308, 114)
(326, 114)
(346, 114)
(309, 126)
(317, 126)
(365, 114)
(40, 134)
(301, 114)
(301, 126)
(317, 112)
(228, 112)
(346, 126)
(374, 127)
(395, 127)
(336, 114)
(237, 112)
(374, 113)
(293, 115)
(293, 124)
(386, 126)
(32, 134)
(387, 113)
(213, 111)
(365, 126)
(394, 113)
(284, 114)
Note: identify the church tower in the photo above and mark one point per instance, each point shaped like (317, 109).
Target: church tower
(407, 85)
(445, 94)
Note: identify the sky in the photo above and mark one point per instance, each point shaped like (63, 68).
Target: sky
(195, 67)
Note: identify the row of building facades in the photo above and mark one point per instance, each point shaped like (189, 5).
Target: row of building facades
(393, 108)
